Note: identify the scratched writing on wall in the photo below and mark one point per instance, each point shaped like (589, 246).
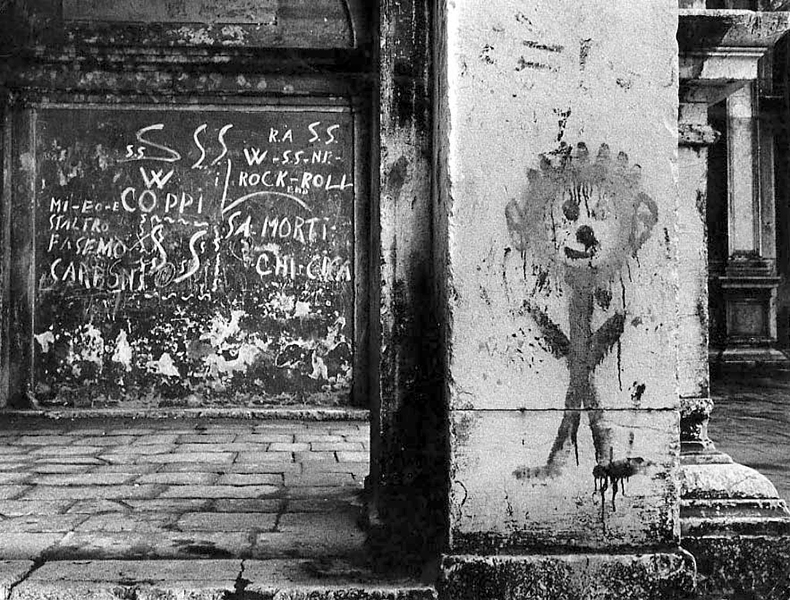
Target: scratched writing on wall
(251, 216)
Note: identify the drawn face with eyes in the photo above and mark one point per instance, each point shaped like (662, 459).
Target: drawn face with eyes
(585, 228)
(583, 215)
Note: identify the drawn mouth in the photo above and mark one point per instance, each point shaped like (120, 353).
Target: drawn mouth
(578, 254)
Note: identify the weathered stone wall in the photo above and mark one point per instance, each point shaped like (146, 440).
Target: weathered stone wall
(559, 205)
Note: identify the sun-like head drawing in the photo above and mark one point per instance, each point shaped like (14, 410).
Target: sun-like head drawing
(581, 215)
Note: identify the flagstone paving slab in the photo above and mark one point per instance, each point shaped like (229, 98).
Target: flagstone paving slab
(11, 492)
(138, 522)
(162, 544)
(179, 478)
(57, 492)
(249, 522)
(267, 505)
(219, 491)
(17, 508)
(28, 545)
(251, 479)
(94, 507)
(87, 479)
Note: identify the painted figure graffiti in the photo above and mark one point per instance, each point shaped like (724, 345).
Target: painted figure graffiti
(581, 221)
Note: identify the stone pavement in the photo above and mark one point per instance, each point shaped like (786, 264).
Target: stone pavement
(751, 423)
(217, 509)
(180, 488)
(203, 579)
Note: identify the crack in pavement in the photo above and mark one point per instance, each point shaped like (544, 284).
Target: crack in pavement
(34, 566)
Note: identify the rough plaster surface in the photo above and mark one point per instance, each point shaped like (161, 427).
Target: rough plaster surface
(521, 81)
(569, 509)
(501, 118)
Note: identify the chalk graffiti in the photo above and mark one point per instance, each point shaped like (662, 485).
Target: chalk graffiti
(581, 220)
(152, 229)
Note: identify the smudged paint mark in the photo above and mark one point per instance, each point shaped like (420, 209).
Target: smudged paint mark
(614, 474)
(547, 47)
(123, 350)
(603, 297)
(44, 340)
(485, 55)
(562, 122)
(585, 46)
(637, 390)
(523, 63)
(522, 18)
(625, 84)
(542, 280)
(397, 176)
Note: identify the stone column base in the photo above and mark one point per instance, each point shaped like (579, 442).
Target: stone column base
(652, 576)
(738, 529)
(747, 357)
(723, 480)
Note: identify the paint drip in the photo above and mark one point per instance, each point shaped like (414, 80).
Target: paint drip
(613, 475)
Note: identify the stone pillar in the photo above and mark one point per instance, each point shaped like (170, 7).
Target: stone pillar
(695, 135)
(556, 225)
(743, 200)
(408, 449)
(750, 282)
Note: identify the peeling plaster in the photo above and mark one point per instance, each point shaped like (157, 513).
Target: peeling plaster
(164, 366)
(45, 339)
(123, 351)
